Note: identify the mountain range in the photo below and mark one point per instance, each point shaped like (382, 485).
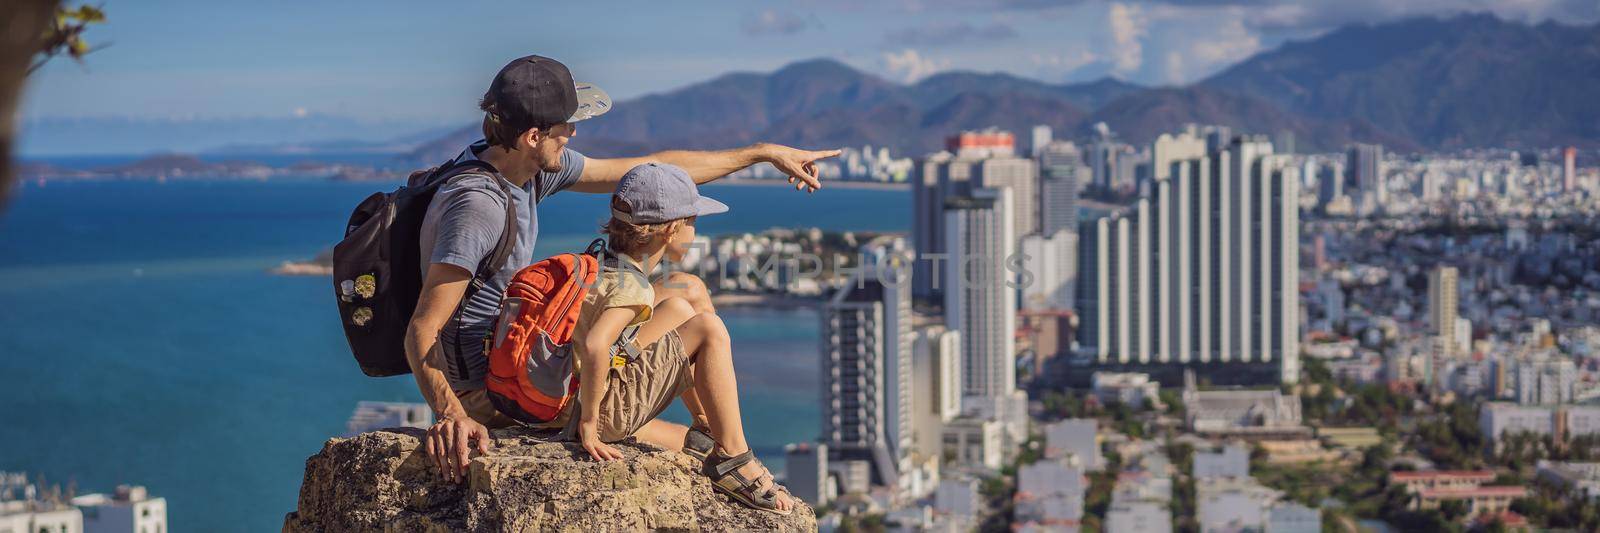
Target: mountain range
(1417, 84)
(1466, 81)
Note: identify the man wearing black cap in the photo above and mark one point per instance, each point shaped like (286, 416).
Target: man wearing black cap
(530, 112)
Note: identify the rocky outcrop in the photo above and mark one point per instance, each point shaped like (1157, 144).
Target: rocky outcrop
(385, 481)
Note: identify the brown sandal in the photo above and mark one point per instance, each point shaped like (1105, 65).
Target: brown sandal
(697, 443)
(725, 478)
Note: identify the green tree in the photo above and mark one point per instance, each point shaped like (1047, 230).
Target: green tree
(32, 32)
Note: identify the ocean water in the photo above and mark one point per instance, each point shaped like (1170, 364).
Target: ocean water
(143, 341)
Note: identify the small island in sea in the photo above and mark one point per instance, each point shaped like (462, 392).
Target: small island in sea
(321, 265)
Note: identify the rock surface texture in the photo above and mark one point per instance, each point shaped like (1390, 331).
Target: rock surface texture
(385, 481)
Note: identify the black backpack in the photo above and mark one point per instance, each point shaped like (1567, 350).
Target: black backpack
(377, 268)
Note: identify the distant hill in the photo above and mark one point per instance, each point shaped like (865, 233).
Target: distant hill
(818, 103)
(1091, 95)
(1418, 84)
(312, 133)
(1466, 81)
(1141, 117)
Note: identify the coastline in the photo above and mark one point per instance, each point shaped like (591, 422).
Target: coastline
(737, 300)
(826, 184)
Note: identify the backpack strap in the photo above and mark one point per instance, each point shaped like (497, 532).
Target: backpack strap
(627, 345)
(502, 249)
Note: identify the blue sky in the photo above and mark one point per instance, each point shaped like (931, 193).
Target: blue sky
(426, 61)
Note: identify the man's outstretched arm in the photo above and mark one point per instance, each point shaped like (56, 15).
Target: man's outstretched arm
(601, 175)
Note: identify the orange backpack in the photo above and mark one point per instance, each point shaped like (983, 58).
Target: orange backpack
(531, 375)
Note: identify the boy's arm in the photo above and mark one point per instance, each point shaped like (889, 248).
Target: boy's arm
(593, 348)
(601, 175)
(448, 444)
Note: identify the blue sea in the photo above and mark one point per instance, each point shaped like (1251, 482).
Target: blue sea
(143, 341)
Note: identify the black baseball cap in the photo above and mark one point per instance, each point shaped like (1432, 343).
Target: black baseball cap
(538, 92)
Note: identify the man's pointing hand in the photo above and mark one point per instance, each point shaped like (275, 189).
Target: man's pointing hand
(800, 165)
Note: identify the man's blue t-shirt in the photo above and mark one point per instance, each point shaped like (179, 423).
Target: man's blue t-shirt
(463, 225)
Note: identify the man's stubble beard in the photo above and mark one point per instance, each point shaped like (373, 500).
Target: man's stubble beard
(552, 163)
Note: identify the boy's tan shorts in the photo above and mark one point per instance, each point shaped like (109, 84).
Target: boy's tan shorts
(641, 390)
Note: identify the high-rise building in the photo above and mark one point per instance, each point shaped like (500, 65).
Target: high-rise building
(982, 159)
(927, 222)
(1202, 272)
(936, 385)
(1217, 138)
(1132, 167)
(1569, 170)
(1051, 262)
(981, 144)
(1061, 174)
(1021, 177)
(1107, 158)
(866, 371)
(1169, 149)
(977, 300)
(1364, 162)
(1330, 182)
(1546, 382)
(1442, 307)
(1042, 136)
(807, 472)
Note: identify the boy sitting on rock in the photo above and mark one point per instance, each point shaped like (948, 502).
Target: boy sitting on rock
(634, 358)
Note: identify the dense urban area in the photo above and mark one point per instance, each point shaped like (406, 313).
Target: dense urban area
(1227, 336)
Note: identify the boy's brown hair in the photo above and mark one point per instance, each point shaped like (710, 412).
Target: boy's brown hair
(630, 239)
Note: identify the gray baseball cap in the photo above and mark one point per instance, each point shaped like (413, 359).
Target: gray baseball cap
(658, 192)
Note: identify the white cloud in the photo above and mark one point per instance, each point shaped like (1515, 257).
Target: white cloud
(1175, 70)
(1195, 42)
(1065, 61)
(1232, 42)
(772, 22)
(910, 66)
(1128, 27)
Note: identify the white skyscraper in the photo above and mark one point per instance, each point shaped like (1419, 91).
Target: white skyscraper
(1052, 262)
(981, 159)
(1042, 136)
(1022, 178)
(1169, 149)
(977, 301)
(866, 370)
(936, 385)
(1204, 269)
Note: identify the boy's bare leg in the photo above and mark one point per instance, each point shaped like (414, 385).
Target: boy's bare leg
(691, 401)
(667, 315)
(662, 434)
(691, 289)
(687, 286)
(706, 339)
